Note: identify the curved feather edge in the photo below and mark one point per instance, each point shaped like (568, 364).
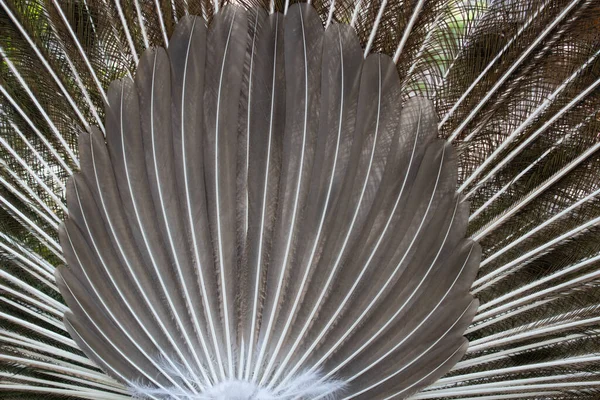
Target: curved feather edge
(261, 200)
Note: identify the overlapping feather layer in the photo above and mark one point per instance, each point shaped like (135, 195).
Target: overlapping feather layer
(265, 220)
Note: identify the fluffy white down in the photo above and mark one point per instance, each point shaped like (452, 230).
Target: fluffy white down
(304, 386)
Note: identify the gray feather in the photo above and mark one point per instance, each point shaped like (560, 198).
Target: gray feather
(204, 259)
(225, 56)
(266, 216)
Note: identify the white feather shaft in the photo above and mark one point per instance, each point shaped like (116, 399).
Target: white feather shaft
(44, 358)
(189, 209)
(34, 128)
(404, 367)
(110, 312)
(85, 92)
(22, 341)
(522, 389)
(34, 175)
(48, 68)
(523, 126)
(542, 293)
(140, 18)
(419, 56)
(219, 239)
(508, 315)
(171, 243)
(479, 284)
(508, 337)
(422, 378)
(29, 258)
(357, 9)
(33, 227)
(25, 201)
(339, 257)
(125, 26)
(55, 383)
(40, 278)
(80, 49)
(506, 354)
(492, 373)
(39, 330)
(295, 207)
(548, 222)
(513, 67)
(490, 65)
(23, 185)
(28, 299)
(518, 292)
(373, 33)
(39, 107)
(397, 312)
(503, 190)
(108, 366)
(249, 131)
(36, 314)
(365, 312)
(155, 266)
(263, 213)
(45, 302)
(140, 370)
(330, 14)
(88, 394)
(536, 192)
(161, 22)
(408, 30)
(573, 131)
(324, 208)
(117, 349)
(48, 170)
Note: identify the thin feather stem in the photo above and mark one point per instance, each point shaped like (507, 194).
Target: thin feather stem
(498, 273)
(536, 192)
(295, 206)
(373, 33)
(51, 71)
(46, 216)
(140, 18)
(404, 367)
(263, 212)
(39, 107)
(33, 127)
(126, 30)
(80, 49)
(512, 336)
(408, 29)
(324, 208)
(521, 128)
(161, 22)
(532, 285)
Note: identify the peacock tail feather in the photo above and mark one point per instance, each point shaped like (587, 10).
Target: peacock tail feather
(266, 200)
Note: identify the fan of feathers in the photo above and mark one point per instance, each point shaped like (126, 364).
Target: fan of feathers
(339, 199)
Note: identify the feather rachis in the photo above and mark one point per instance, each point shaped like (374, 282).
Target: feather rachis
(361, 275)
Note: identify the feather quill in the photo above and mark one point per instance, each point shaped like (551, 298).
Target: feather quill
(264, 213)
